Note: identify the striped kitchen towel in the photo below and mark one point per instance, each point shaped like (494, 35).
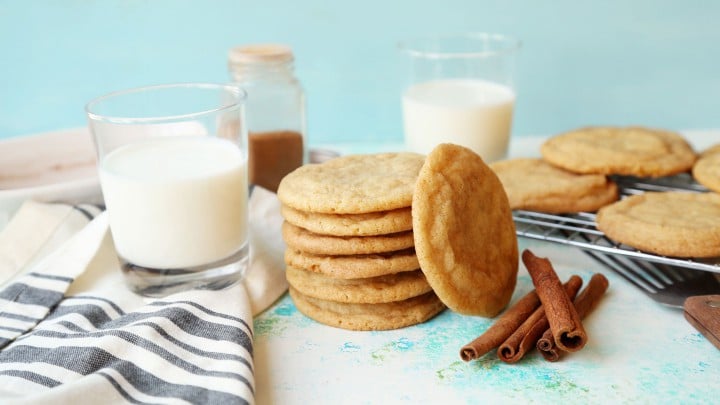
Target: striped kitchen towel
(71, 333)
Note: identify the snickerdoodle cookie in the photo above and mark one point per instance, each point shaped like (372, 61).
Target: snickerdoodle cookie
(533, 184)
(673, 223)
(309, 242)
(633, 151)
(464, 232)
(353, 184)
(354, 266)
(381, 316)
(371, 290)
(371, 223)
(706, 170)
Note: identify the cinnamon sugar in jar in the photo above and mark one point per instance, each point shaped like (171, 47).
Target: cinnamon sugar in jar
(275, 111)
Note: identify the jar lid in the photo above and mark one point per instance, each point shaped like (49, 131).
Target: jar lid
(260, 53)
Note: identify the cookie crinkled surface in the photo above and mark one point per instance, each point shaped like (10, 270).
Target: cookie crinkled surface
(464, 232)
(354, 266)
(706, 170)
(306, 241)
(372, 290)
(633, 151)
(533, 184)
(382, 316)
(353, 184)
(673, 223)
(368, 224)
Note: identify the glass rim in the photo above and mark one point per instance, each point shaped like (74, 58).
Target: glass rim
(233, 88)
(418, 47)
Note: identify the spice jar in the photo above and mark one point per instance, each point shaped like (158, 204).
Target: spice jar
(275, 111)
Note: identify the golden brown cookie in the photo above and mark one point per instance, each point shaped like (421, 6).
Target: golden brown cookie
(633, 151)
(464, 232)
(680, 224)
(384, 316)
(714, 149)
(354, 184)
(354, 266)
(706, 170)
(372, 290)
(533, 184)
(306, 241)
(371, 223)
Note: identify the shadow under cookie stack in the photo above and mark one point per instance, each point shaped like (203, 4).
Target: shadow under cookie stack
(350, 255)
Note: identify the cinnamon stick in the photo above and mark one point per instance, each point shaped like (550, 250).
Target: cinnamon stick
(584, 304)
(565, 324)
(527, 335)
(502, 328)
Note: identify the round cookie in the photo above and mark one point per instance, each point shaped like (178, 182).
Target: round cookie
(384, 316)
(707, 169)
(306, 241)
(680, 224)
(464, 232)
(372, 290)
(353, 184)
(715, 149)
(371, 223)
(632, 151)
(533, 184)
(354, 266)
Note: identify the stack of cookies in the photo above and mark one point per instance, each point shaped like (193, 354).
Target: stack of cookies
(350, 255)
(383, 241)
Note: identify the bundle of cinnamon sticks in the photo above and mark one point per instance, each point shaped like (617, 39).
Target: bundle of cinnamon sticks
(549, 317)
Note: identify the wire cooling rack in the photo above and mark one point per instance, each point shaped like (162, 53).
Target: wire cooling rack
(579, 230)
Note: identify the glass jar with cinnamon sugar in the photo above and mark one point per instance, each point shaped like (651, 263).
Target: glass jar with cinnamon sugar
(275, 111)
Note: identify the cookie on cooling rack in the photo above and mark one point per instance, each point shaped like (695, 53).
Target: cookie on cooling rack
(672, 223)
(706, 170)
(533, 184)
(633, 151)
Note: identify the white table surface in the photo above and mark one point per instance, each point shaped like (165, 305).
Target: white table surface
(638, 351)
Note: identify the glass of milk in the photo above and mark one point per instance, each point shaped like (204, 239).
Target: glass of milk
(173, 170)
(459, 89)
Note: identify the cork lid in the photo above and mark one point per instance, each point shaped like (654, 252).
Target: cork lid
(260, 53)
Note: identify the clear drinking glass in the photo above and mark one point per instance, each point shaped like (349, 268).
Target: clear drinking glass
(172, 161)
(459, 89)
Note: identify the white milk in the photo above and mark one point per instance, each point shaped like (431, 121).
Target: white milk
(473, 113)
(176, 202)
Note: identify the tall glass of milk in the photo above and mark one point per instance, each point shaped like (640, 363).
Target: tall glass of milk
(459, 89)
(172, 161)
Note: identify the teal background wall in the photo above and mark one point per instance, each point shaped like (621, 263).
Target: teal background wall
(617, 62)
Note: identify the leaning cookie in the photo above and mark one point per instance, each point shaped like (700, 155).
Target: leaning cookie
(633, 151)
(533, 184)
(464, 232)
(706, 170)
(679, 224)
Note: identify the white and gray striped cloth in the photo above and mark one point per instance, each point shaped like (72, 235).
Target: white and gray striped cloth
(70, 332)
